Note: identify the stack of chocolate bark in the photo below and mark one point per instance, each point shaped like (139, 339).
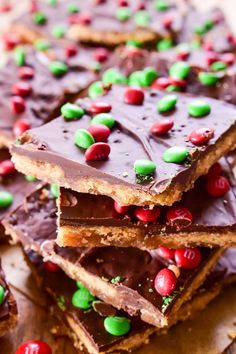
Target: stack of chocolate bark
(129, 234)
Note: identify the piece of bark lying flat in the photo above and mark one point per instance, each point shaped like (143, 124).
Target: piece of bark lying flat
(14, 187)
(33, 88)
(199, 219)
(112, 274)
(8, 308)
(174, 160)
(96, 339)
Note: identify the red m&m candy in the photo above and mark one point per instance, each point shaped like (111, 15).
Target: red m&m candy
(167, 21)
(166, 252)
(21, 89)
(161, 83)
(147, 215)
(26, 72)
(84, 19)
(11, 41)
(121, 209)
(71, 50)
(165, 282)
(179, 216)
(228, 58)
(162, 127)
(217, 186)
(201, 136)
(17, 105)
(100, 107)
(188, 257)
(215, 170)
(98, 152)
(20, 126)
(100, 132)
(211, 57)
(50, 266)
(6, 168)
(134, 96)
(101, 54)
(34, 347)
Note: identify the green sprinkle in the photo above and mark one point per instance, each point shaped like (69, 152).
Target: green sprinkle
(73, 8)
(54, 188)
(58, 31)
(200, 30)
(61, 302)
(117, 326)
(58, 68)
(209, 24)
(19, 56)
(164, 44)
(148, 76)
(6, 199)
(179, 70)
(218, 66)
(71, 111)
(175, 154)
(134, 43)
(40, 18)
(167, 103)
(144, 167)
(96, 89)
(161, 5)
(103, 118)
(208, 79)
(198, 108)
(116, 280)
(142, 18)
(83, 138)
(82, 299)
(123, 13)
(2, 293)
(113, 76)
(30, 178)
(41, 45)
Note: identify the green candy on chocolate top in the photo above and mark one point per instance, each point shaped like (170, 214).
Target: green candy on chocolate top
(164, 44)
(142, 18)
(167, 103)
(30, 178)
(198, 108)
(103, 118)
(148, 76)
(207, 78)
(2, 294)
(19, 56)
(113, 76)
(161, 5)
(218, 66)
(54, 188)
(71, 111)
(144, 167)
(73, 8)
(123, 13)
(175, 154)
(6, 199)
(42, 45)
(58, 31)
(58, 68)
(39, 17)
(82, 299)
(179, 70)
(83, 138)
(117, 326)
(96, 89)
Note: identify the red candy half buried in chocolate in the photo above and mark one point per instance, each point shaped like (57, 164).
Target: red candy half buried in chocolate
(71, 50)
(201, 136)
(134, 96)
(165, 282)
(217, 186)
(6, 168)
(100, 107)
(179, 216)
(147, 215)
(162, 127)
(97, 152)
(17, 105)
(166, 252)
(26, 72)
(121, 209)
(50, 266)
(20, 126)
(22, 89)
(101, 54)
(188, 257)
(100, 132)
(34, 347)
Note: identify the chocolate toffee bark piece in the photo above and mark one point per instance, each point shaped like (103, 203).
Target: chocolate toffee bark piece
(96, 339)
(8, 308)
(149, 162)
(92, 220)
(13, 187)
(114, 274)
(32, 90)
(110, 23)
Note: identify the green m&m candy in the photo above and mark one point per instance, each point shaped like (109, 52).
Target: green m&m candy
(58, 31)
(218, 66)
(83, 138)
(161, 5)
(2, 293)
(164, 44)
(54, 190)
(19, 56)
(123, 13)
(71, 111)
(134, 43)
(41, 45)
(175, 154)
(144, 167)
(142, 18)
(173, 88)
(73, 8)
(167, 103)
(117, 326)
(52, 2)
(6, 199)
(58, 68)
(40, 18)
(82, 299)
(136, 78)
(96, 89)
(179, 70)
(103, 118)
(148, 76)
(113, 76)
(80, 285)
(30, 178)
(207, 78)
(200, 30)
(198, 108)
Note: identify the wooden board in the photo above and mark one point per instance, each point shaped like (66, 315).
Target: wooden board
(207, 334)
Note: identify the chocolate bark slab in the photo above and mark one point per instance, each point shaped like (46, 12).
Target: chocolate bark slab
(47, 92)
(8, 308)
(90, 220)
(95, 339)
(40, 150)
(112, 274)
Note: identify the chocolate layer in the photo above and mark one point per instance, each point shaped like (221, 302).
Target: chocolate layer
(113, 274)
(8, 309)
(47, 94)
(96, 339)
(41, 149)
(86, 219)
